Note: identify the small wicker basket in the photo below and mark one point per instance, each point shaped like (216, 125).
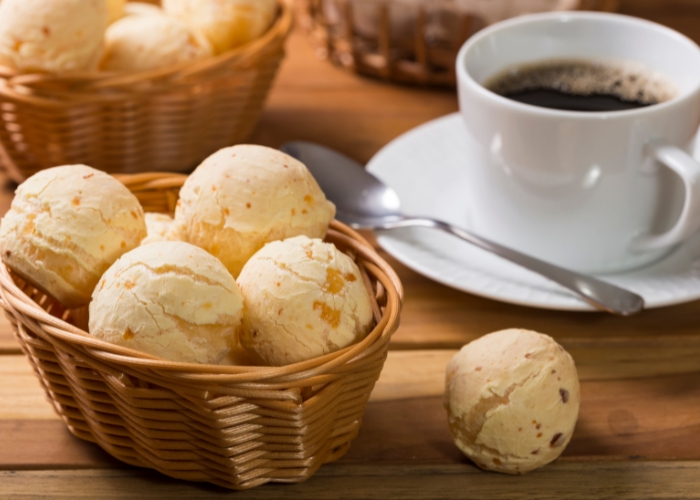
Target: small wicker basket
(405, 41)
(167, 119)
(234, 426)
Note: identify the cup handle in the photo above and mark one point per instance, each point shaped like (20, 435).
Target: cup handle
(689, 222)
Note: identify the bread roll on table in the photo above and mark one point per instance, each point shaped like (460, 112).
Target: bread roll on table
(512, 399)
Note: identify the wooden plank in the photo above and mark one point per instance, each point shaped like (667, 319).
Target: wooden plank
(681, 15)
(661, 421)
(410, 374)
(437, 317)
(414, 431)
(406, 374)
(562, 480)
(8, 344)
(21, 394)
(47, 444)
(635, 403)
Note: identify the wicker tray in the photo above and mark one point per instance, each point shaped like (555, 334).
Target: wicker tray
(168, 119)
(405, 41)
(234, 426)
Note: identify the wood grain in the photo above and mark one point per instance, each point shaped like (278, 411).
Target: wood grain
(435, 316)
(21, 394)
(8, 344)
(47, 444)
(681, 15)
(563, 480)
(635, 403)
(406, 374)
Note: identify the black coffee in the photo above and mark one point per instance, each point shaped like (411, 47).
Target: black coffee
(578, 85)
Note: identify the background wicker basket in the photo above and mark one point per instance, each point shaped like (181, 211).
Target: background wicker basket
(168, 119)
(406, 41)
(234, 426)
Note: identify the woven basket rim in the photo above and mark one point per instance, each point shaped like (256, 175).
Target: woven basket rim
(16, 302)
(279, 29)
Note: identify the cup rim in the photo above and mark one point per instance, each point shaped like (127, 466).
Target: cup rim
(463, 76)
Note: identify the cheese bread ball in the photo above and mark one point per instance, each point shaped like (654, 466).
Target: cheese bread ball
(53, 36)
(116, 9)
(303, 299)
(244, 196)
(512, 400)
(168, 299)
(66, 226)
(141, 9)
(225, 23)
(160, 227)
(143, 42)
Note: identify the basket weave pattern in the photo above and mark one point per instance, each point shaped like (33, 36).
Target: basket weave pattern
(234, 426)
(420, 54)
(167, 119)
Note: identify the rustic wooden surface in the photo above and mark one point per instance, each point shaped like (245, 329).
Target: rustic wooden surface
(638, 434)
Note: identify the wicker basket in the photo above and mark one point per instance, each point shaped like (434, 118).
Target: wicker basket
(405, 41)
(234, 426)
(168, 119)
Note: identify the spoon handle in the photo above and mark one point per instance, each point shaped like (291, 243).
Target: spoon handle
(594, 291)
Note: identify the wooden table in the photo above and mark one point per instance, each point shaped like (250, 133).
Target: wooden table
(638, 434)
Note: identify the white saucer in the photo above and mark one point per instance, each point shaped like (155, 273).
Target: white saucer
(426, 168)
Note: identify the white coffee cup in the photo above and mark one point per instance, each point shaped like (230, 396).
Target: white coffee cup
(592, 191)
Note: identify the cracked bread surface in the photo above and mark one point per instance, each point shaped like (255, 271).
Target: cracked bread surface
(66, 226)
(168, 299)
(512, 399)
(244, 196)
(140, 43)
(303, 299)
(56, 36)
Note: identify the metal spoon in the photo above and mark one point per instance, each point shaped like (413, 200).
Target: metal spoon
(365, 202)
